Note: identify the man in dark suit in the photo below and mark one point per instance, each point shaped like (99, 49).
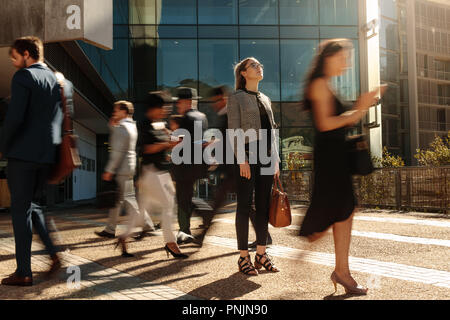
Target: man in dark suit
(186, 174)
(31, 132)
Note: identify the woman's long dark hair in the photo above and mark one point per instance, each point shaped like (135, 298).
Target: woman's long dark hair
(240, 81)
(327, 48)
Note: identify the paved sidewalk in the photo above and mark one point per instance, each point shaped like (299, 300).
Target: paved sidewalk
(108, 282)
(399, 256)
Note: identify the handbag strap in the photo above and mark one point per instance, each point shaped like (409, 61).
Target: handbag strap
(277, 183)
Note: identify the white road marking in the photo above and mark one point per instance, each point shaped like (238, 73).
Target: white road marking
(433, 277)
(374, 235)
(421, 222)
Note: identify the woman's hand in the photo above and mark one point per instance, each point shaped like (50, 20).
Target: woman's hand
(277, 170)
(369, 99)
(245, 170)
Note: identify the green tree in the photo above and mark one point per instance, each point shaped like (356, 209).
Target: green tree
(438, 153)
(388, 160)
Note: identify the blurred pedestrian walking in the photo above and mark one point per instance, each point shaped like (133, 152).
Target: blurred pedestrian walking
(29, 142)
(249, 109)
(186, 174)
(333, 201)
(121, 166)
(155, 182)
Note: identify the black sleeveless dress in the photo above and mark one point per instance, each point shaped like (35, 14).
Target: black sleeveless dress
(333, 199)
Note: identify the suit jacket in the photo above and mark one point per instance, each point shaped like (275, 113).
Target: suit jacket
(243, 113)
(27, 130)
(122, 159)
(188, 123)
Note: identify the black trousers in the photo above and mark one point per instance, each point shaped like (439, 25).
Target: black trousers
(185, 176)
(26, 181)
(262, 186)
(227, 185)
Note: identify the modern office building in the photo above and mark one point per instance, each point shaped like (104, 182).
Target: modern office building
(415, 63)
(430, 72)
(60, 23)
(394, 72)
(163, 44)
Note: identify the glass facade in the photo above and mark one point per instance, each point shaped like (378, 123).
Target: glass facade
(433, 70)
(164, 44)
(394, 72)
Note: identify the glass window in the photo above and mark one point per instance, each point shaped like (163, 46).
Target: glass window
(177, 31)
(293, 115)
(299, 32)
(390, 100)
(258, 11)
(296, 57)
(296, 142)
(177, 12)
(389, 38)
(143, 66)
(115, 71)
(216, 60)
(120, 12)
(121, 31)
(217, 11)
(177, 63)
(142, 31)
(388, 8)
(299, 12)
(389, 66)
(338, 12)
(267, 52)
(142, 12)
(338, 32)
(254, 32)
(217, 32)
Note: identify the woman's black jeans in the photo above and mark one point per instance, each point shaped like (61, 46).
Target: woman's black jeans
(262, 185)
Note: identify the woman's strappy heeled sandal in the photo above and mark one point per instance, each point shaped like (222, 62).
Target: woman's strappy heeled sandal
(268, 264)
(246, 266)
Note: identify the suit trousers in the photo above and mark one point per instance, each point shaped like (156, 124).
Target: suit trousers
(185, 176)
(26, 181)
(127, 198)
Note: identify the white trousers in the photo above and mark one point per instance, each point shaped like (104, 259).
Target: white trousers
(156, 187)
(128, 199)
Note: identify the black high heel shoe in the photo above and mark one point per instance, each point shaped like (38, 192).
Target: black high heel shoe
(267, 264)
(125, 253)
(174, 254)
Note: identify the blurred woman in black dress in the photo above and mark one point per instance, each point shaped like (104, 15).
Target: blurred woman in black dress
(333, 202)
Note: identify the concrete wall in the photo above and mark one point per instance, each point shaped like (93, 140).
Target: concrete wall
(20, 18)
(57, 20)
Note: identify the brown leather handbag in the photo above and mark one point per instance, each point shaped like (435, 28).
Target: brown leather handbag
(280, 210)
(68, 158)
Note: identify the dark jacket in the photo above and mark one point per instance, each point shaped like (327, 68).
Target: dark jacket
(188, 123)
(27, 130)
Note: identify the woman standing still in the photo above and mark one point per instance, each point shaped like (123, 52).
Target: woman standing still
(250, 109)
(333, 202)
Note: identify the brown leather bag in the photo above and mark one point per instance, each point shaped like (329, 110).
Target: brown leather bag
(280, 210)
(68, 156)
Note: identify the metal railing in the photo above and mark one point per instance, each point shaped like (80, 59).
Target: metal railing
(407, 188)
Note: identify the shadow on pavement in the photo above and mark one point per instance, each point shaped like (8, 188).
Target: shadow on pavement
(235, 286)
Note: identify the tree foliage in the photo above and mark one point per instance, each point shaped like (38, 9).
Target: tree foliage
(388, 160)
(438, 153)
